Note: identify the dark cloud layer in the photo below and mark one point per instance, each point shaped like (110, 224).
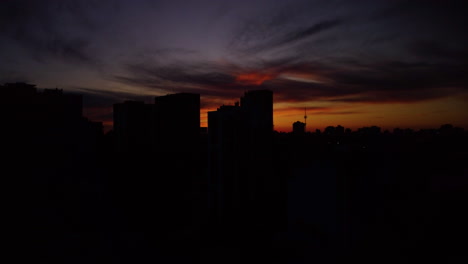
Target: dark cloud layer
(391, 81)
(286, 38)
(203, 78)
(420, 68)
(56, 29)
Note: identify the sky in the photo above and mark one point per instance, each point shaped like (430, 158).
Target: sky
(351, 63)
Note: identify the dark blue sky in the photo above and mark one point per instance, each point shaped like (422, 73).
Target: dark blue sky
(389, 63)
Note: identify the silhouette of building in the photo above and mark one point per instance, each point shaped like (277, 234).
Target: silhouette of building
(32, 108)
(225, 139)
(177, 122)
(13, 90)
(298, 128)
(369, 131)
(171, 124)
(132, 125)
(339, 130)
(258, 106)
(240, 157)
(49, 117)
(329, 130)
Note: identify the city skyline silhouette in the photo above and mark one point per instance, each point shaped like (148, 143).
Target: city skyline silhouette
(158, 187)
(295, 131)
(108, 126)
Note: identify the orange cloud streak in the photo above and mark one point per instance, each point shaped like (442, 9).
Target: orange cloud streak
(254, 78)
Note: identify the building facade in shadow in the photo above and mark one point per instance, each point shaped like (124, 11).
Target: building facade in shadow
(170, 125)
(298, 128)
(156, 165)
(177, 122)
(240, 159)
(48, 118)
(132, 125)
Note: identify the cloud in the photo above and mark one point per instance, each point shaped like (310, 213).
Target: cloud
(436, 50)
(339, 113)
(206, 78)
(305, 54)
(203, 75)
(301, 109)
(348, 81)
(428, 24)
(422, 9)
(400, 75)
(273, 35)
(95, 98)
(305, 33)
(380, 82)
(298, 112)
(56, 29)
(98, 104)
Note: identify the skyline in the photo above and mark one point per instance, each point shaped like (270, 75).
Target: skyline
(391, 64)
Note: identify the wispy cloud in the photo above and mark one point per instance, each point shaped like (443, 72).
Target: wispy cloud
(350, 81)
(58, 30)
(271, 36)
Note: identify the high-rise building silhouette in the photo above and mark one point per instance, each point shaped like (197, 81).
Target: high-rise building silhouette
(34, 109)
(177, 122)
(48, 117)
(240, 157)
(298, 128)
(258, 106)
(226, 139)
(132, 125)
(171, 124)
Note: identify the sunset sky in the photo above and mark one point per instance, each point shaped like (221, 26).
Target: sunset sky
(350, 63)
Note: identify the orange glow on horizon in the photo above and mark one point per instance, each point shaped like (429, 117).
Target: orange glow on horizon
(387, 115)
(417, 115)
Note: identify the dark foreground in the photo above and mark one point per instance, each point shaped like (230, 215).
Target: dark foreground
(382, 198)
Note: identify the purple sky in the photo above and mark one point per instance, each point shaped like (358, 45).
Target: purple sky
(345, 60)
